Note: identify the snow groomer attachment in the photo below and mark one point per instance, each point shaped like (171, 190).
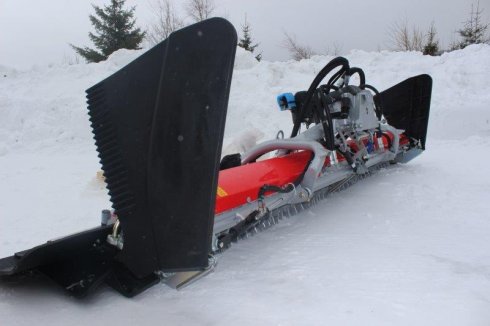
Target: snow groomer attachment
(158, 125)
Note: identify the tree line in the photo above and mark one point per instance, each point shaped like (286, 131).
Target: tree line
(115, 28)
(473, 31)
(403, 38)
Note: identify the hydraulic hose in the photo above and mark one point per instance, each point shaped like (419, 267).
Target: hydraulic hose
(360, 72)
(326, 120)
(336, 76)
(266, 188)
(350, 72)
(339, 61)
(379, 105)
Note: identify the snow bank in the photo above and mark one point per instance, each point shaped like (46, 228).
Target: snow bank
(46, 106)
(408, 246)
(460, 90)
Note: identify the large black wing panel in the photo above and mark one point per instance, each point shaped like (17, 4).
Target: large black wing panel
(158, 125)
(406, 106)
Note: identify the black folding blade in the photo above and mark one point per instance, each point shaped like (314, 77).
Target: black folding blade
(407, 104)
(158, 125)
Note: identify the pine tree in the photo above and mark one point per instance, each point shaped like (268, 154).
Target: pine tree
(115, 29)
(474, 31)
(246, 41)
(431, 47)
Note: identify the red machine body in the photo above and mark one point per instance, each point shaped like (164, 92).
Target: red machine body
(238, 185)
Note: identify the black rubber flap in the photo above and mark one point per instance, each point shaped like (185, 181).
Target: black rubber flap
(158, 125)
(78, 262)
(53, 251)
(406, 106)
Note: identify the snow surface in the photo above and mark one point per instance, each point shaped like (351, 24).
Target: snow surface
(408, 246)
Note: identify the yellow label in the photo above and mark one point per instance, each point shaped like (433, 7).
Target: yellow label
(221, 192)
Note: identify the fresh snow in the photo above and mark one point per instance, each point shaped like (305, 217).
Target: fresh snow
(408, 246)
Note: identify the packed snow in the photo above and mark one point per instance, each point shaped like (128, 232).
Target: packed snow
(408, 246)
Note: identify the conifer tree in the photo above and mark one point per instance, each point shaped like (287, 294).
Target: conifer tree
(246, 41)
(114, 29)
(431, 47)
(474, 30)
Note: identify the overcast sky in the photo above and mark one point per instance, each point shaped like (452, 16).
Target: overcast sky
(38, 31)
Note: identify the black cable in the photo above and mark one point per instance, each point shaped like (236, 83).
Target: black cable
(371, 88)
(350, 72)
(266, 188)
(336, 77)
(348, 157)
(339, 61)
(388, 139)
(360, 72)
(326, 120)
(377, 100)
(327, 87)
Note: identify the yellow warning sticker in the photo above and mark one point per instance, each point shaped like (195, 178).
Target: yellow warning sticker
(221, 192)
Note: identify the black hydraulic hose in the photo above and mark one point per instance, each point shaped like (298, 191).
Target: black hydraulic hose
(378, 101)
(371, 88)
(350, 72)
(360, 72)
(266, 188)
(339, 61)
(326, 88)
(388, 139)
(336, 76)
(326, 120)
(348, 157)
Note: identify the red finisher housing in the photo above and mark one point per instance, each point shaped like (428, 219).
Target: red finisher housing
(238, 185)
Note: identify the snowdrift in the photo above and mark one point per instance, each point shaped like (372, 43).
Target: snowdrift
(412, 248)
(45, 106)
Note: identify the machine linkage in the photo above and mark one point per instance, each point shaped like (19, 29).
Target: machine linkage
(274, 216)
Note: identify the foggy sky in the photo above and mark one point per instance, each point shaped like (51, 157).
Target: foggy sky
(37, 32)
